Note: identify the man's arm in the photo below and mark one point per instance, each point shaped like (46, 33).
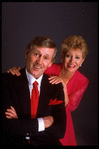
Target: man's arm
(57, 129)
(14, 127)
(20, 127)
(14, 124)
(48, 120)
(11, 124)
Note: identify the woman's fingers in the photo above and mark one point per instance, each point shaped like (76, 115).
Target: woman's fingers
(14, 71)
(55, 80)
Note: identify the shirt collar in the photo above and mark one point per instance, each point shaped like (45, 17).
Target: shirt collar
(31, 79)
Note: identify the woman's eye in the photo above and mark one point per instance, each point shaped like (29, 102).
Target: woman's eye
(67, 55)
(77, 57)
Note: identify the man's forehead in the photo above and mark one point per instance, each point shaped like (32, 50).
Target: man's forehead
(44, 50)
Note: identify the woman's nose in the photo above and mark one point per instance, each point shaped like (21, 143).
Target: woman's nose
(72, 59)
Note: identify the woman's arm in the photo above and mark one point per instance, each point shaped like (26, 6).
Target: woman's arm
(56, 80)
(66, 94)
(76, 96)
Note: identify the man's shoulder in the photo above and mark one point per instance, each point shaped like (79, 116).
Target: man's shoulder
(53, 86)
(8, 77)
(53, 91)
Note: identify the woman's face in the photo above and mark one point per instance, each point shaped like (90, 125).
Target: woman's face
(73, 60)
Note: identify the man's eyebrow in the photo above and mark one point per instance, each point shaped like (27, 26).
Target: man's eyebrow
(40, 52)
(37, 50)
(47, 56)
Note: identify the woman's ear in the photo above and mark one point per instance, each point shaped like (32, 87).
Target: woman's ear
(82, 62)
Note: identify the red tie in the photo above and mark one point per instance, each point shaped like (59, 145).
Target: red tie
(34, 100)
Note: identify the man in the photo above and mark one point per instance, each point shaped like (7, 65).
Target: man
(47, 126)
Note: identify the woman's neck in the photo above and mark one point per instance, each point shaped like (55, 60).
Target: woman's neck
(65, 75)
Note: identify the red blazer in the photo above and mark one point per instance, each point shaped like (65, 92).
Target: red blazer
(15, 92)
(75, 88)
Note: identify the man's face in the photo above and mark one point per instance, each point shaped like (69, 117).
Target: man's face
(38, 60)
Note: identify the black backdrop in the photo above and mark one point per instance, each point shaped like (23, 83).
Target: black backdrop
(22, 21)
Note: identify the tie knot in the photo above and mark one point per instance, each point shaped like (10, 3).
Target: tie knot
(35, 83)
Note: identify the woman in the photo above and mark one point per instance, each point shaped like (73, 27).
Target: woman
(73, 53)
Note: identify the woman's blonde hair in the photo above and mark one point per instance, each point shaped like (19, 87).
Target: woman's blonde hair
(74, 42)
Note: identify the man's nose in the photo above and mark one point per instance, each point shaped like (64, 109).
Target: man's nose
(40, 60)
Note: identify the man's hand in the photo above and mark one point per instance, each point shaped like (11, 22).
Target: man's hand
(48, 121)
(11, 113)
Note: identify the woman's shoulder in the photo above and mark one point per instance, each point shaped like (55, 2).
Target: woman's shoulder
(54, 69)
(57, 65)
(82, 78)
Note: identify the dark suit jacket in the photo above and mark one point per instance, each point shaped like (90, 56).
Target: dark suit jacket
(15, 92)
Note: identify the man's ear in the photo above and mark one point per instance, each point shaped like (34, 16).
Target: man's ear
(50, 64)
(26, 54)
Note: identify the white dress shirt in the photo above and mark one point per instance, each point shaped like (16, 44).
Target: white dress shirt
(31, 80)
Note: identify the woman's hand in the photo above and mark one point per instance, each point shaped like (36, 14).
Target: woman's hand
(15, 71)
(11, 113)
(56, 80)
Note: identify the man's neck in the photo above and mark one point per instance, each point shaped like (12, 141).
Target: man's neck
(31, 77)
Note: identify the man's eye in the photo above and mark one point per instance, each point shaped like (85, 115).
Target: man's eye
(45, 58)
(36, 54)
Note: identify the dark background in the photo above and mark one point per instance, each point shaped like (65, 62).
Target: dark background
(22, 21)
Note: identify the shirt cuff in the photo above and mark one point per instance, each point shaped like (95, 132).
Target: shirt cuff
(41, 126)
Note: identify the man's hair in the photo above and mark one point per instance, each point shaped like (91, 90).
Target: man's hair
(42, 41)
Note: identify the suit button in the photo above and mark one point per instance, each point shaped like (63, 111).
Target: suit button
(27, 136)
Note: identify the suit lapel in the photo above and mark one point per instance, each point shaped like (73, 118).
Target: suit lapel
(24, 95)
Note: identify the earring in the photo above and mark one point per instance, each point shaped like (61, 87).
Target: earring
(80, 65)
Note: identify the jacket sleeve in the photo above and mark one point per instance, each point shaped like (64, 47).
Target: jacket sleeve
(75, 97)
